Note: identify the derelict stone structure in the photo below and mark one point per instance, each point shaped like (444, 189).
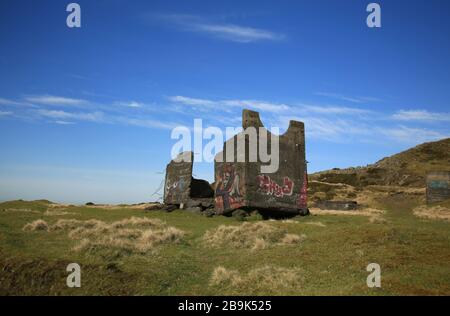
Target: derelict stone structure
(244, 185)
(241, 182)
(180, 187)
(178, 179)
(438, 186)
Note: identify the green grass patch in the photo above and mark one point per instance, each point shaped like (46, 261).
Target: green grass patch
(331, 259)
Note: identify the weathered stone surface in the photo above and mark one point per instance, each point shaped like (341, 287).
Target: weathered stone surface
(192, 203)
(181, 188)
(303, 212)
(196, 210)
(154, 207)
(202, 202)
(170, 208)
(239, 214)
(208, 203)
(438, 186)
(337, 205)
(178, 179)
(242, 184)
(209, 213)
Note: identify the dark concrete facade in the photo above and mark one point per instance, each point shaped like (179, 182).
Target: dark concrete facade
(240, 182)
(243, 185)
(177, 186)
(180, 187)
(438, 186)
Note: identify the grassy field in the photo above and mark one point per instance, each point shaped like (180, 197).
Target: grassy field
(313, 255)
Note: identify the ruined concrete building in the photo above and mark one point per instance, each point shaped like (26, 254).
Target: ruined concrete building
(181, 189)
(241, 184)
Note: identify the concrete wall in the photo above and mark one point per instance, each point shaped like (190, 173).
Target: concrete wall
(438, 186)
(180, 187)
(177, 185)
(243, 185)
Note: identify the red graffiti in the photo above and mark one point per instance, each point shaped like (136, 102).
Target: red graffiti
(228, 190)
(270, 187)
(303, 195)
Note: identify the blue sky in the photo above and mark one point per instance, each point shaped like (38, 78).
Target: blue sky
(86, 114)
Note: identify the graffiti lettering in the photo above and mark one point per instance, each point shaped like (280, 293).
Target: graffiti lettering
(302, 196)
(438, 184)
(175, 188)
(270, 187)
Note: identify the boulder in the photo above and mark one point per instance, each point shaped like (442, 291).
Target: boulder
(153, 207)
(239, 214)
(169, 207)
(209, 213)
(337, 205)
(195, 210)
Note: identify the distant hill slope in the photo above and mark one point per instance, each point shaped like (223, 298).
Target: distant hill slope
(407, 168)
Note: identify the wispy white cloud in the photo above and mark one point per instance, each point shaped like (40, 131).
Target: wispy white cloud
(191, 101)
(280, 108)
(64, 115)
(338, 130)
(406, 134)
(354, 99)
(421, 115)
(333, 109)
(66, 118)
(225, 31)
(258, 105)
(332, 123)
(4, 101)
(76, 76)
(222, 105)
(130, 104)
(55, 100)
(238, 33)
(115, 112)
(148, 123)
(64, 123)
(329, 129)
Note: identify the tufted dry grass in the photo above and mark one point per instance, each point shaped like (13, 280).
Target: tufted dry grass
(374, 215)
(36, 225)
(268, 279)
(20, 210)
(433, 212)
(56, 212)
(320, 224)
(253, 236)
(130, 235)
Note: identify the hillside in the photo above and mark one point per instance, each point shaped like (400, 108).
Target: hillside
(406, 169)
